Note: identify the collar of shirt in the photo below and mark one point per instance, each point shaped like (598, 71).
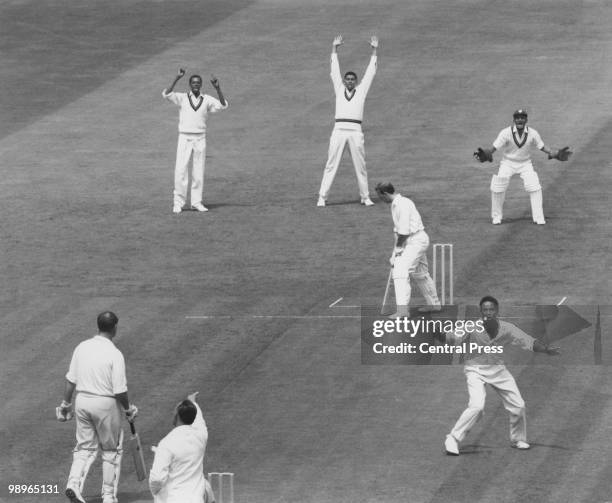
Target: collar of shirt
(103, 338)
(515, 131)
(193, 96)
(396, 200)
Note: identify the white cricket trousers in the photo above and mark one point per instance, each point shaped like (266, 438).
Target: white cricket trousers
(189, 145)
(98, 425)
(412, 263)
(502, 381)
(531, 182)
(339, 138)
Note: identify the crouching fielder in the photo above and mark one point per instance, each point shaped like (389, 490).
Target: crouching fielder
(409, 258)
(483, 368)
(515, 141)
(177, 475)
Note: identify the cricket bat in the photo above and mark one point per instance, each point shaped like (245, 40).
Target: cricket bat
(136, 448)
(383, 308)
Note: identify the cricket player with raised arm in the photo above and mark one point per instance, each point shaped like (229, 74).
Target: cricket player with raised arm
(515, 142)
(177, 474)
(194, 110)
(350, 101)
(97, 374)
(482, 368)
(409, 257)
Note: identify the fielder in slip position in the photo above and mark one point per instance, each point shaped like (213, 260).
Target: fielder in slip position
(177, 474)
(482, 367)
(350, 100)
(409, 258)
(97, 374)
(515, 141)
(194, 110)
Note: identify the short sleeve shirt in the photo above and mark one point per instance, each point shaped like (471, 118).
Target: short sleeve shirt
(508, 334)
(406, 218)
(98, 367)
(514, 147)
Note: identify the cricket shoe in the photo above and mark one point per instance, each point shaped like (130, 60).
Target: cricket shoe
(520, 444)
(177, 209)
(367, 202)
(540, 222)
(74, 495)
(320, 202)
(430, 309)
(199, 207)
(451, 446)
(497, 221)
(402, 312)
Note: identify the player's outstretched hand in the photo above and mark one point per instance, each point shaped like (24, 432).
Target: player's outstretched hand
(374, 41)
(214, 81)
(192, 397)
(337, 41)
(181, 73)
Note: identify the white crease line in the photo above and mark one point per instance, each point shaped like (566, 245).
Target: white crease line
(203, 317)
(292, 317)
(334, 303)
(562, 301)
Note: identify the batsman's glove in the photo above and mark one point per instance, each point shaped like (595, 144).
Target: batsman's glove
(483, 155)
(561, 154)
(396, 253)
(131, 413)
(64, 412)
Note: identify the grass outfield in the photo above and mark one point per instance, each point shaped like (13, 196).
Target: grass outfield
(235, 302)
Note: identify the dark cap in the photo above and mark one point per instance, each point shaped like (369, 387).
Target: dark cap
(521, 112)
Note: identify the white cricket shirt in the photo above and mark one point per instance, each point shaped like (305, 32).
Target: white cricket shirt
(406, 218)
(508, 334)
(514, 147)
(194, 111)
(177, 474)
(98, 367)
(350, 106)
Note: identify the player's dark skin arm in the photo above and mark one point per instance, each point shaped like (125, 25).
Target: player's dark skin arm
(122, 398)
(546, 150)
(68, 391)
(215, 83)
(179, 76)
(401, 240)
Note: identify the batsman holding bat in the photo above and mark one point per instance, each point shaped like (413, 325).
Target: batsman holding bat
(97, 374)
(515, 141)
(409, 258)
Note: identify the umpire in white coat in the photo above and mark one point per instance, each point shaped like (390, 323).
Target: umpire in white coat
(177, 475)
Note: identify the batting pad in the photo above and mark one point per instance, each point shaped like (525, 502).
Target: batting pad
(499, 183)
(531, 181)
